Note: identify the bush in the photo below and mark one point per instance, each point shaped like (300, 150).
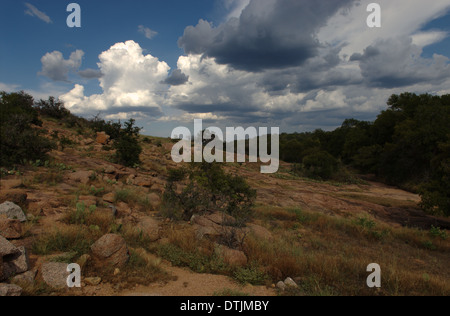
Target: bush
(19, 140)
(320, 165)
(209, 189)
(127, 144)
(52, 108)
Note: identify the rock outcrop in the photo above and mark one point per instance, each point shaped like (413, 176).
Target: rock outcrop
(12, 211)
(110, 250)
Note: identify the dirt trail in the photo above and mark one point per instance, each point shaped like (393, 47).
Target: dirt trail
(189, 283)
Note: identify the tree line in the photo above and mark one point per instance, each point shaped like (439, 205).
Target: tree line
(408, 145)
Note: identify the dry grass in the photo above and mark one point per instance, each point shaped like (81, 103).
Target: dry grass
(330, 255)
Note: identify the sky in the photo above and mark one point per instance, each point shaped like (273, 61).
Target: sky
(298, 65)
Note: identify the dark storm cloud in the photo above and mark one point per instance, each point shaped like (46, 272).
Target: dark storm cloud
(177, 78)
(269, 34)
(397, 63)
(90, 74)
(319, 72)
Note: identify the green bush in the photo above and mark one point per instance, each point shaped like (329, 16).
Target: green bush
(52, 108)
(19, 140)
(320, 165)
(210, 189)
(127, 145)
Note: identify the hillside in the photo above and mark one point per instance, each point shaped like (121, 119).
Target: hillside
(321, 234)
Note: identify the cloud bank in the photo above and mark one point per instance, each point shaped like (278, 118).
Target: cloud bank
(299, 64)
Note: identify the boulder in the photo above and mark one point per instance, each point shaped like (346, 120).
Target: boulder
(281, 286)
(93, 281)
(25, 278)
(10, 290)
(143, 182)
(102, 138)
(290, 283)
(123, 209)
(82, 176)
(16, 263)
(109, 169)
(10, 228)
(55, 274)
(12, 211)
(232, 257)
(149, 228)
(110, 250)
(7, 248)
(110, 197)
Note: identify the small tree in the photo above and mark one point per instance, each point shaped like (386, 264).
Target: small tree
(127, 145)
(19, 140)
(209, 189)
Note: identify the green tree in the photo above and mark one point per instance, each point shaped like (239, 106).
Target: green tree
(320, 165)
(19, 140)
(128, 148)
(210, 188)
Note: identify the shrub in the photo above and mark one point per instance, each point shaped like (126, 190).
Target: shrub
(52, 108)
(210, 189)
(320, 165)
(127, 145)
(252, 275)
(19, 140)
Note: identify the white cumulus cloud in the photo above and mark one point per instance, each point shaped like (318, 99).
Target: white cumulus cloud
(130, 83)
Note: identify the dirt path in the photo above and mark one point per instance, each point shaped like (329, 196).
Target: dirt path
(189, 283)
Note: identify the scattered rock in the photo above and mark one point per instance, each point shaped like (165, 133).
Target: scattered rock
(93, 281)
(12, 211)
(16, 263)
(232, 257)
(122, 209)
(10, 290)
(281, 286)
(82, 176)
(116, 271)
(55, 274)
(149, 228)
(110, 250)
(110, 197)
(10, 228)
(143, 182)
(109, 169)
(290, 283)
(102, 138)
(25, 278)
(7, 248)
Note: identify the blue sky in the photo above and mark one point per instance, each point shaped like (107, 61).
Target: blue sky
(293, 64)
